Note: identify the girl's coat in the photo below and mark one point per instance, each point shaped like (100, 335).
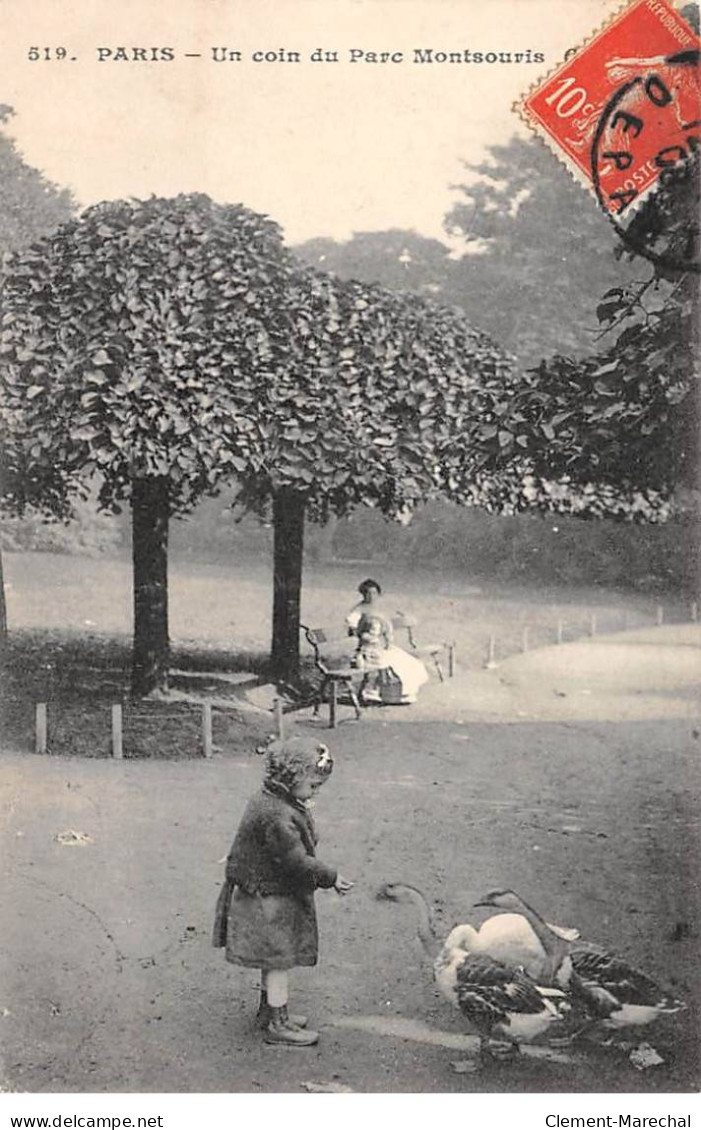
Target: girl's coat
(265, 914)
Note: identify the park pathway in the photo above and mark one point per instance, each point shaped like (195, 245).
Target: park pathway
(586, 803)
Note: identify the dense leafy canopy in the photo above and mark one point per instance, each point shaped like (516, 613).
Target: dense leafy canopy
(177, 338)
(30, 207)
(378, 397)
(127, 334)
(629, 417)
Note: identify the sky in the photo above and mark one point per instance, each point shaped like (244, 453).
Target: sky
(324, 148)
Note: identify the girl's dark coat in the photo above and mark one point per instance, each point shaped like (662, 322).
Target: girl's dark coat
(265, 914)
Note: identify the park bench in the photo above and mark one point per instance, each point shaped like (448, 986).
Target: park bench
(334, 672)
(338, 673)
(431, 651)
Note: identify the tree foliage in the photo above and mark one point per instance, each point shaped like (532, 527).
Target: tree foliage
(628, 418)
(530, 254)
(30, 207)
(128, 338)
(378, 399)
(395, 259)
(539, 252)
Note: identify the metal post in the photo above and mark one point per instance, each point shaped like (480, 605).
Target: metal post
(207, 729)
(117, 747)
(451, 660)
(42, 731)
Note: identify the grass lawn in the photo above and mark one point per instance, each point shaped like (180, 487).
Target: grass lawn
(70, 624)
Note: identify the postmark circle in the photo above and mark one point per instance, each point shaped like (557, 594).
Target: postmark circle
(643, 131)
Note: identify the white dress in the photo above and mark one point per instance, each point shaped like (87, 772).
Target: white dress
(408, 669)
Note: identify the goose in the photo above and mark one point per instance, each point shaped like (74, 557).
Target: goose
(524, 938)
(610, 990)
(503, 1005)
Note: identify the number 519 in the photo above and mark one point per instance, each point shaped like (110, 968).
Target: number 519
(47, 54)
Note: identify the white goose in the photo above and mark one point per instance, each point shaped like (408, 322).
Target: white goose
(609, 989)
(503, 1005)
(523, 937)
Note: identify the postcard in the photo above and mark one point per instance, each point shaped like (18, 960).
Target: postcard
(348, 357)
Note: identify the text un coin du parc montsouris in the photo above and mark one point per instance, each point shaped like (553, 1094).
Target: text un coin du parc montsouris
(421, 55)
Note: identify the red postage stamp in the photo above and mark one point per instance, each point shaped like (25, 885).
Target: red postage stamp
(625, 106)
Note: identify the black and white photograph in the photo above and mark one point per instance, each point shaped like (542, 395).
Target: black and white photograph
(350, 560)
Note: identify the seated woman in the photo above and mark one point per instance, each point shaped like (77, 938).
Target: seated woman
(370, 592)
(378, 653)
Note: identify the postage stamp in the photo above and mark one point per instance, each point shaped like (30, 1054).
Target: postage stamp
(624, 108)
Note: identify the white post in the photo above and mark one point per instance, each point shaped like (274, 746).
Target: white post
(592, 624)
(694, 611)
(207, 729)
(42, 730)
(277, 713)
(660, 614)
(559, 631)
(117, 746)
(524, 641)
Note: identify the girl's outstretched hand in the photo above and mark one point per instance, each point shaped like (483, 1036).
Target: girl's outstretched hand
(342, 885)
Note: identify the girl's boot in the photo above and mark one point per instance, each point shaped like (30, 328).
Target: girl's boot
(263, 1014)
(280, 1031)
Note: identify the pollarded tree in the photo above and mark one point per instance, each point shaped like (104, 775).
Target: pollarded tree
(129, 337)
(377, 401)
(30, 206)
(166, 345)
(389, 400)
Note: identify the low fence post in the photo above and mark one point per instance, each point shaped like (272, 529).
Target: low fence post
(207, 729)
(660, 615)
(451, 660)
(558, 635)
(694, 611)
(41, 743)
(277, 714)
(491, 652)
(117, 732)
(592, 624)
(524, 640)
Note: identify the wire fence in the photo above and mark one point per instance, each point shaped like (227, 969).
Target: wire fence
(166, 729)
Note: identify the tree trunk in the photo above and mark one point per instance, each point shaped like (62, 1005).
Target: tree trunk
(150, 512)
(288, 546)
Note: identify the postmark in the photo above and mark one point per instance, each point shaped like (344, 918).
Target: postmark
(623, 114)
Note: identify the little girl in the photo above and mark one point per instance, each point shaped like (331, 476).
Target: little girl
(265, 914)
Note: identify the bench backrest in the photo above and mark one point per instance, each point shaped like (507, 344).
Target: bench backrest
(328, 643)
